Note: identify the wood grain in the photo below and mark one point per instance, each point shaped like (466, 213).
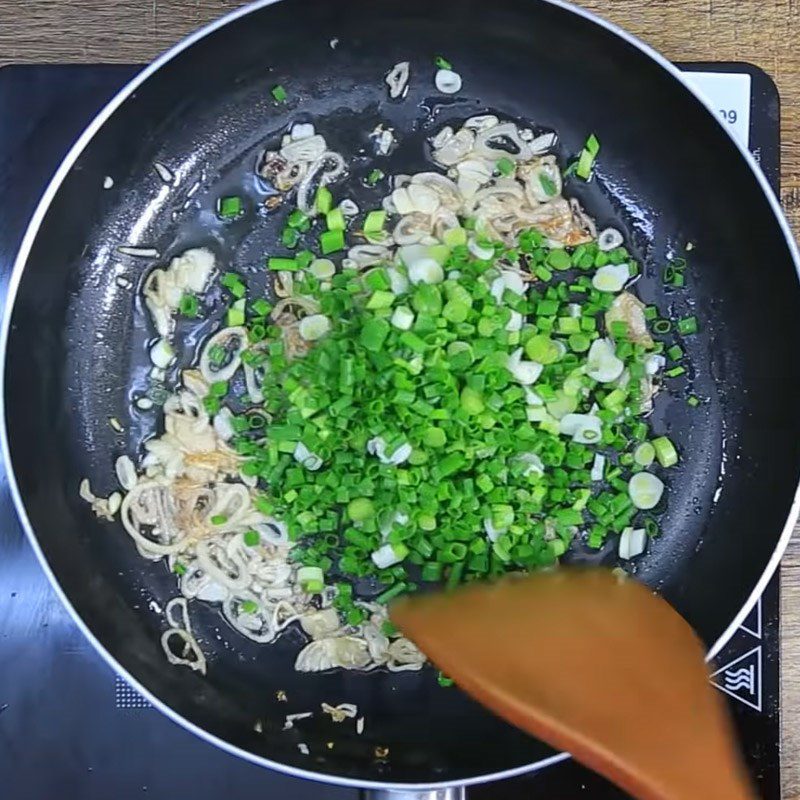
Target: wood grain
(763, 32)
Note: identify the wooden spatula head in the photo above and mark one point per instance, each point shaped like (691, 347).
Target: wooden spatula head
(592, 664)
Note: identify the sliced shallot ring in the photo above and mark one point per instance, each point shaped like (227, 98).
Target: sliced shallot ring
(506, 130)
(219, 339)
(309, 148)
(397, 79)
(305, 202)
(198, 663)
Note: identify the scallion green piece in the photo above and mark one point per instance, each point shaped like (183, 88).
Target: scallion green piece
(323, 200)
(665, 451)
(587, 157)
(189, 306)
(251, 538)
(334, 220)
(279, 93)
(235, 315)
(547, 184)
(505, 166)
(374, 222)
(390, 594)
(282, 264)
(229, 207)
(298, 220)
(290, 238)
(331, 241)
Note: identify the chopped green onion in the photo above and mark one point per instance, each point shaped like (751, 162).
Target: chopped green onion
(403, 318)
(687, 326)
(233, 283)
(390, 594)
(375, 177)
(282, 264)
(374, 222)
(218, 389)
(442, 63)
(665, 451)
(331, 242)
(322, 268)
(505, 166)
(335, 221)
(548, 186)
(229, 207)
(645, 490)
(644, 454)
(290, 238)
(189, 306)
(675, 352)
(360, 509)
(298, 220)
(279, 93)
(374, 334)
(587, 157)
(235, 315)
(323, 200)
(304, 259)
(443, 680)
(251, 538)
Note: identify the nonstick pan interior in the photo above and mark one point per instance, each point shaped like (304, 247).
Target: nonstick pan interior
(667, 175)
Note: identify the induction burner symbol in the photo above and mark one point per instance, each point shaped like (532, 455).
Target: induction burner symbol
(741, 678)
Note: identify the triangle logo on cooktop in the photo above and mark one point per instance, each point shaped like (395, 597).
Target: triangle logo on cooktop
(752, 622)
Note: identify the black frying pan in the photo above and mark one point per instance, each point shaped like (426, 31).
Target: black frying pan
(668, 174)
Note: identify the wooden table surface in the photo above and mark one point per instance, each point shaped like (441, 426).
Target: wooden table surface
(763, 32)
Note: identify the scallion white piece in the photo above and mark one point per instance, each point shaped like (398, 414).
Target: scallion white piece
(322, 268)
(447, 81)
(611, 278)
(162, 354)
(632, 543)
(314, 327)
(388, 555)
(310, 575)
(645, 490)
(583, 428)
(484, 254)
(403, 318)
(425, 270)
(603, 365)
(644, 454)
(598, 467)
(304, 457)
(525, 372)
(377, 447)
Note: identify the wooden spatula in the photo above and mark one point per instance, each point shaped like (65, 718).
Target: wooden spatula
(592, 664)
